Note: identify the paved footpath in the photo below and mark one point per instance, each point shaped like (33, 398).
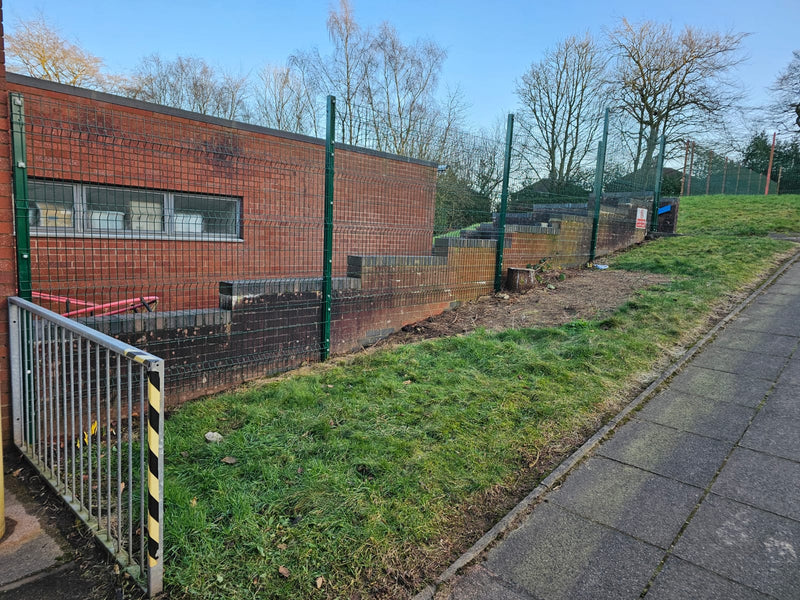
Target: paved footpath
(696, 497)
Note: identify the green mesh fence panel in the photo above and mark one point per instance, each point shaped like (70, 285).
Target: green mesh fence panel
(709, 172)
(201, 240)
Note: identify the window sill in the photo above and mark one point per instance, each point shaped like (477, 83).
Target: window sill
(132, 235)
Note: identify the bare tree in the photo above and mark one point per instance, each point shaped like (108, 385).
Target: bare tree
(191, 84)
(786, 91)
(39, 50)
(561, 97)
(344, 73)
(283, 101)
(400, 93)
(385, 89)
(670, 84)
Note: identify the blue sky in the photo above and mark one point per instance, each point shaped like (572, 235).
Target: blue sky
(490, 44)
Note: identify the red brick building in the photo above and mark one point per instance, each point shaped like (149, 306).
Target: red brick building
(222, 222)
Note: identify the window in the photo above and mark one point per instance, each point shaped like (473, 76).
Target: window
(82, 208)
(114, 209)
(217, 216)
(54, 204)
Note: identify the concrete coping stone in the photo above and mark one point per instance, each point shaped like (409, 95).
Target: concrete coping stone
(573, 219)
(260, 287)
(157, 320)
(454, 242)
(554, 206)
(395, 261)
(550, 229)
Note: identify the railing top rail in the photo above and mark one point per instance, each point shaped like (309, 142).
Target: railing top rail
(140, 356)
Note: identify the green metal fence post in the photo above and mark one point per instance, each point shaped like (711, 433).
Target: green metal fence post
(724, 174)
(501, 224)
(22, 222)
(683, 173)
(738, 174)
(598, 186)
(662, 143)
(327, 253)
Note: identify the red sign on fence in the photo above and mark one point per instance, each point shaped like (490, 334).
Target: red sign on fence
(641, 218)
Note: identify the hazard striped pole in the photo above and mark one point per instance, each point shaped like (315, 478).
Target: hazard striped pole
(155, 470)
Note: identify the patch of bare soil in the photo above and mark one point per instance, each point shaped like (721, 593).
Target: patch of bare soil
(559, 297)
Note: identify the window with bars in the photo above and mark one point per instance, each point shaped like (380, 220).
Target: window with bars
(56, 206)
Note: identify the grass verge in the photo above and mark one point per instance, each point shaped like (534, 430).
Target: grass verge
(355, 479)
(739, 215)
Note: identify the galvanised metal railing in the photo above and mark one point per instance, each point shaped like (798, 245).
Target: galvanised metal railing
(88, 415)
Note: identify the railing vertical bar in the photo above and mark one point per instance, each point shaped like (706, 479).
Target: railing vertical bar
(46, 448)
(59, 400)
(39, 350)
(72, 439)
(19, 398)
(119, 454)
(88, 432)
(43, 391)
(130, 459)
(98, 433)
(18, 368)
(64, 406)
(57, 403)
(53, 404)
(17, 364)
(79, 439)
(28, 374)
(49, 397)
(108, 443)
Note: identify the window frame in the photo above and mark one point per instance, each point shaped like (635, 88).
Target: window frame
(81, 226)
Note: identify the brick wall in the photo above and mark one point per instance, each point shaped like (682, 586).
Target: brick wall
(84, 137)
(8, 269)
(268, 326)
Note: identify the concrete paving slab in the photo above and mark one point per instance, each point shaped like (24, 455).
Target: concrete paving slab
(26, 548)
(766, 324)
(717, 385)
(744, 544)
(680, 580)
(480, 584)
(740, 362)
(780, 299)
(64, 583)
(788, 284)
(560, 556)
(791, 373)
(763, 309)
(695, 414)
(763, 481)
(683, 456)
(766, 343)
(785, 401)
(774, 434)
(646, 506)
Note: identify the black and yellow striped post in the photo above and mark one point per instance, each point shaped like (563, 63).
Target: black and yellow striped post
(155, 469)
